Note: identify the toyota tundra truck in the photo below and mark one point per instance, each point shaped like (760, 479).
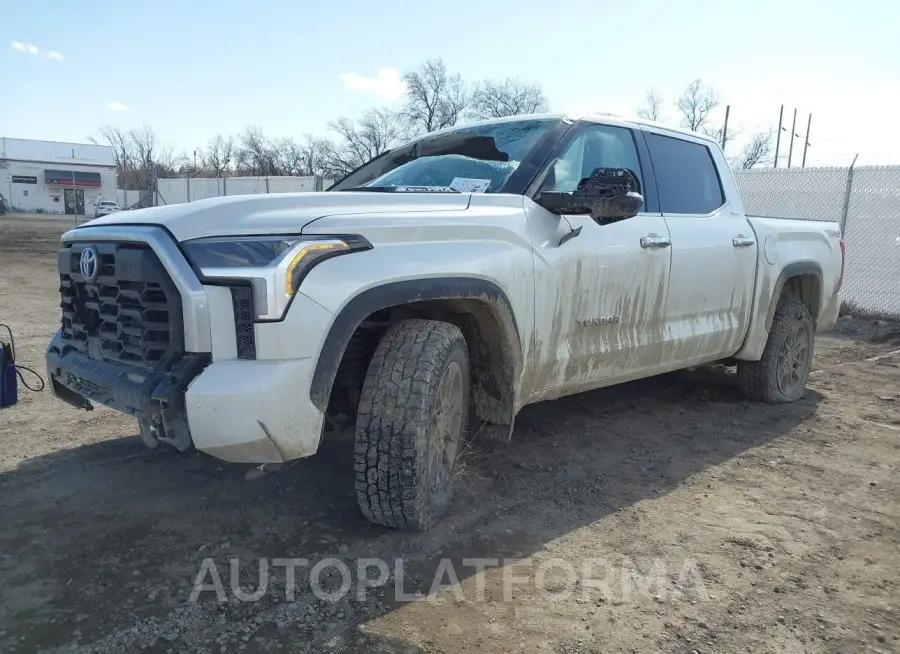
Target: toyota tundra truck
(435, 291)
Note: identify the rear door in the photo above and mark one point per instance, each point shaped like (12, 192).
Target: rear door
(713, 249)
(600, 294)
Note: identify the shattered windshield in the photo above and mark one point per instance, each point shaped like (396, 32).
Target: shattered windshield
(477, 159)
(455, 171)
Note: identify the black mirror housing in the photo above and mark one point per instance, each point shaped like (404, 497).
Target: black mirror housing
(608, 195)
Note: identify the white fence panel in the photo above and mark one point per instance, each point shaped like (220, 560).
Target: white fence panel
(182, 189)
(172, 191)
(202, 188)
(292, 184)
(245, 185)
(128, 198)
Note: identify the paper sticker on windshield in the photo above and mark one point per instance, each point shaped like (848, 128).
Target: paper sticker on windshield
(470, 185)
(424, 189)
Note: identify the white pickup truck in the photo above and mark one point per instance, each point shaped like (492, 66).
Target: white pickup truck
(445, 284)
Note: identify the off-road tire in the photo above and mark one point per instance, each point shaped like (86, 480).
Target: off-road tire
(759, 380)
(397, 424)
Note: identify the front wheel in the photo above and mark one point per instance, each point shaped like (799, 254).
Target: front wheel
(781, 374)
(412, 415)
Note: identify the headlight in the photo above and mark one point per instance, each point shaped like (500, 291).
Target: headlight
(274, 265)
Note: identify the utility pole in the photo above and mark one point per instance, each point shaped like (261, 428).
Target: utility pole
(154, 182)
(806, 140)
(778, 138)
(191, 174)
(793, 132)
(725, 127)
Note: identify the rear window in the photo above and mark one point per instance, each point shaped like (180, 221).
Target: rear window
(686, 176)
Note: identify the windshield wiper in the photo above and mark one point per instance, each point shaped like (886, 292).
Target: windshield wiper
(403, 189)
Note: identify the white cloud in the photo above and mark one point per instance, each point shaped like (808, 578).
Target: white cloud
(116, 106)
(387, 83)
(30, 48)
(25, 47)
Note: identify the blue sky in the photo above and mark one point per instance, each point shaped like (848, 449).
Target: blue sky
(194, 69)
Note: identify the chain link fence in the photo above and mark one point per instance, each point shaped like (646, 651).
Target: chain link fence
(864, 200)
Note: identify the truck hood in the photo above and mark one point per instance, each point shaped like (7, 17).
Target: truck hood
(277, 213)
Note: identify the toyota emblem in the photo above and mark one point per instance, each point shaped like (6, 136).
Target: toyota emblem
(88, 263)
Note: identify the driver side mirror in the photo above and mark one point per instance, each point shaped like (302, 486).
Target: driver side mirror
(608, 195)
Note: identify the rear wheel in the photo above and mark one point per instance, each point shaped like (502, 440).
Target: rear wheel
(412, 415)
(781, 374)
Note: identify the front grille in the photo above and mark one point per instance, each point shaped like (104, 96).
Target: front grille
(129, 313)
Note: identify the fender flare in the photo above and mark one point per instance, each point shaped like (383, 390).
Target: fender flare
(393, 294)
(794, 269)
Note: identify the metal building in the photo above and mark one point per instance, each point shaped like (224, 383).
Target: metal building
(53, 177)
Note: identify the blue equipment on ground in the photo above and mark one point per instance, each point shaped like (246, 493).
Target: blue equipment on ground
(10, 373)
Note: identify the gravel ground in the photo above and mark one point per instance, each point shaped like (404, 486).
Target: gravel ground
(716, 525)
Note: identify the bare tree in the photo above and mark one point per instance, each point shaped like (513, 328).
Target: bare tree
(289, 156)
(358, 142)
(257, 155)
(718, 133)
(757, 151)
(652, 109)
(510, 97)
(218, 156)
(696, 105)
(143, 143)
(136, 152)
(313, 155)
(434, 98)
(117, 140)
(169, 162)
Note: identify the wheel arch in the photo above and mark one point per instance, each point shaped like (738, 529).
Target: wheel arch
(801, 279)
(478, 306)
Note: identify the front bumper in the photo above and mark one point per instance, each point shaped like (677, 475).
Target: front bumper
(153, 397)
(239, 410)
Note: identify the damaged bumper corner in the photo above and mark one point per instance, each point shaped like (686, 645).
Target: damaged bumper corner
(254, 411)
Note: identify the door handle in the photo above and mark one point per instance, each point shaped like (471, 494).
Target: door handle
(655, 241)
(741, 241)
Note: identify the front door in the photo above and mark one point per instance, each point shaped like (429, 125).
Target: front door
(74, 198)
(713, 252)
(600, 296)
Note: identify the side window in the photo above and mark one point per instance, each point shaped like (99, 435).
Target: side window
(686, 175)
(597, 146)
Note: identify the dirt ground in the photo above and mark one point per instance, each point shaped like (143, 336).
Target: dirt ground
(769, 528)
